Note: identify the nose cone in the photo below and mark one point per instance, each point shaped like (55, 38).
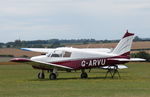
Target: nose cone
(33, 58)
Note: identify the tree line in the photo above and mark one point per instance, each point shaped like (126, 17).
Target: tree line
(53, 43)
(141, 54)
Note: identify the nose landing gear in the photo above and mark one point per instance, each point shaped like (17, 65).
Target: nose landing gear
(41, 75)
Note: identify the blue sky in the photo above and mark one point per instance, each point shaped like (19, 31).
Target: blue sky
(73, 19)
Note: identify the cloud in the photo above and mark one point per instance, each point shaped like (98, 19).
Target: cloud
(72, 18)
(78, 7)
(52, 7)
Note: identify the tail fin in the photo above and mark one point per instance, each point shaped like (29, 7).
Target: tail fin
(124, 45)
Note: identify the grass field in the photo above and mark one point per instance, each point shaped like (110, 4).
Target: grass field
(21, 81)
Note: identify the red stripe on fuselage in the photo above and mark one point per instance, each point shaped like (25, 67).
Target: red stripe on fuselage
(89, 63)
(127, 55)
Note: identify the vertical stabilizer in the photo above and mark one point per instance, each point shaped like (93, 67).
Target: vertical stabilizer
(124, 45)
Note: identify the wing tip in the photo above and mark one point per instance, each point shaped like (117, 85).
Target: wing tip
(20, 60)
(25, 49)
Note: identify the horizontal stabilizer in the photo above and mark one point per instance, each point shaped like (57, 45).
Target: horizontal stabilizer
(137, 59)
(113, 67)
(128, 60)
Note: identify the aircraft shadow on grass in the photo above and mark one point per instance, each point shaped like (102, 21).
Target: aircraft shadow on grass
(89, 78)
(76, 78)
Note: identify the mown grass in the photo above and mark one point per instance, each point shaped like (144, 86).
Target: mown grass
(21, 81)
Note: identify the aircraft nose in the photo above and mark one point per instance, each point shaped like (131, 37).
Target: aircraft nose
(34, 58)
(38, 58)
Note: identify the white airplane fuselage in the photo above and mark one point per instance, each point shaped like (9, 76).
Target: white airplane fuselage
(78, 58)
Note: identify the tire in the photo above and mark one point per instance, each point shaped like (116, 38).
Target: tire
(41, 75)
(52, 76)
(84, 75)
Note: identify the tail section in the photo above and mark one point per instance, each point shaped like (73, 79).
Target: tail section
(124, 46)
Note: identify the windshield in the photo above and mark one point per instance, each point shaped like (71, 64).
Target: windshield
(59, 53)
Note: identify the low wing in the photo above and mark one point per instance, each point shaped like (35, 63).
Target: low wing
(97, 49)
(42, 50)
(48, 50)
(39, 64)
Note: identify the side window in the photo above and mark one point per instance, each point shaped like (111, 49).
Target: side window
(67, 54)
(56, 54)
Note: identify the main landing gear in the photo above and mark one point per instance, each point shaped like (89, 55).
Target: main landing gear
(84, 75)
(53, 75)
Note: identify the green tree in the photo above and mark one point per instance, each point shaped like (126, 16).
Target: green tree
(142, 54)
(137, 38)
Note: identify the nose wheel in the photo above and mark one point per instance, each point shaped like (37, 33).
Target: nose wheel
(41, 75)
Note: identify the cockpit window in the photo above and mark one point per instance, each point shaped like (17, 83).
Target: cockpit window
(55, 55)
(59, 54)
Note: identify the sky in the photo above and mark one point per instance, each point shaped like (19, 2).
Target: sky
(73, 19)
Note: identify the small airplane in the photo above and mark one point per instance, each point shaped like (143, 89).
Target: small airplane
(68, 58)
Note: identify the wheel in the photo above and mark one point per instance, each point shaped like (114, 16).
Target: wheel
(41, 75)
(84, 75)
(52, 76)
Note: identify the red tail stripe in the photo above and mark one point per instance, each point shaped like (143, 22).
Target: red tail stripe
(128, 34)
